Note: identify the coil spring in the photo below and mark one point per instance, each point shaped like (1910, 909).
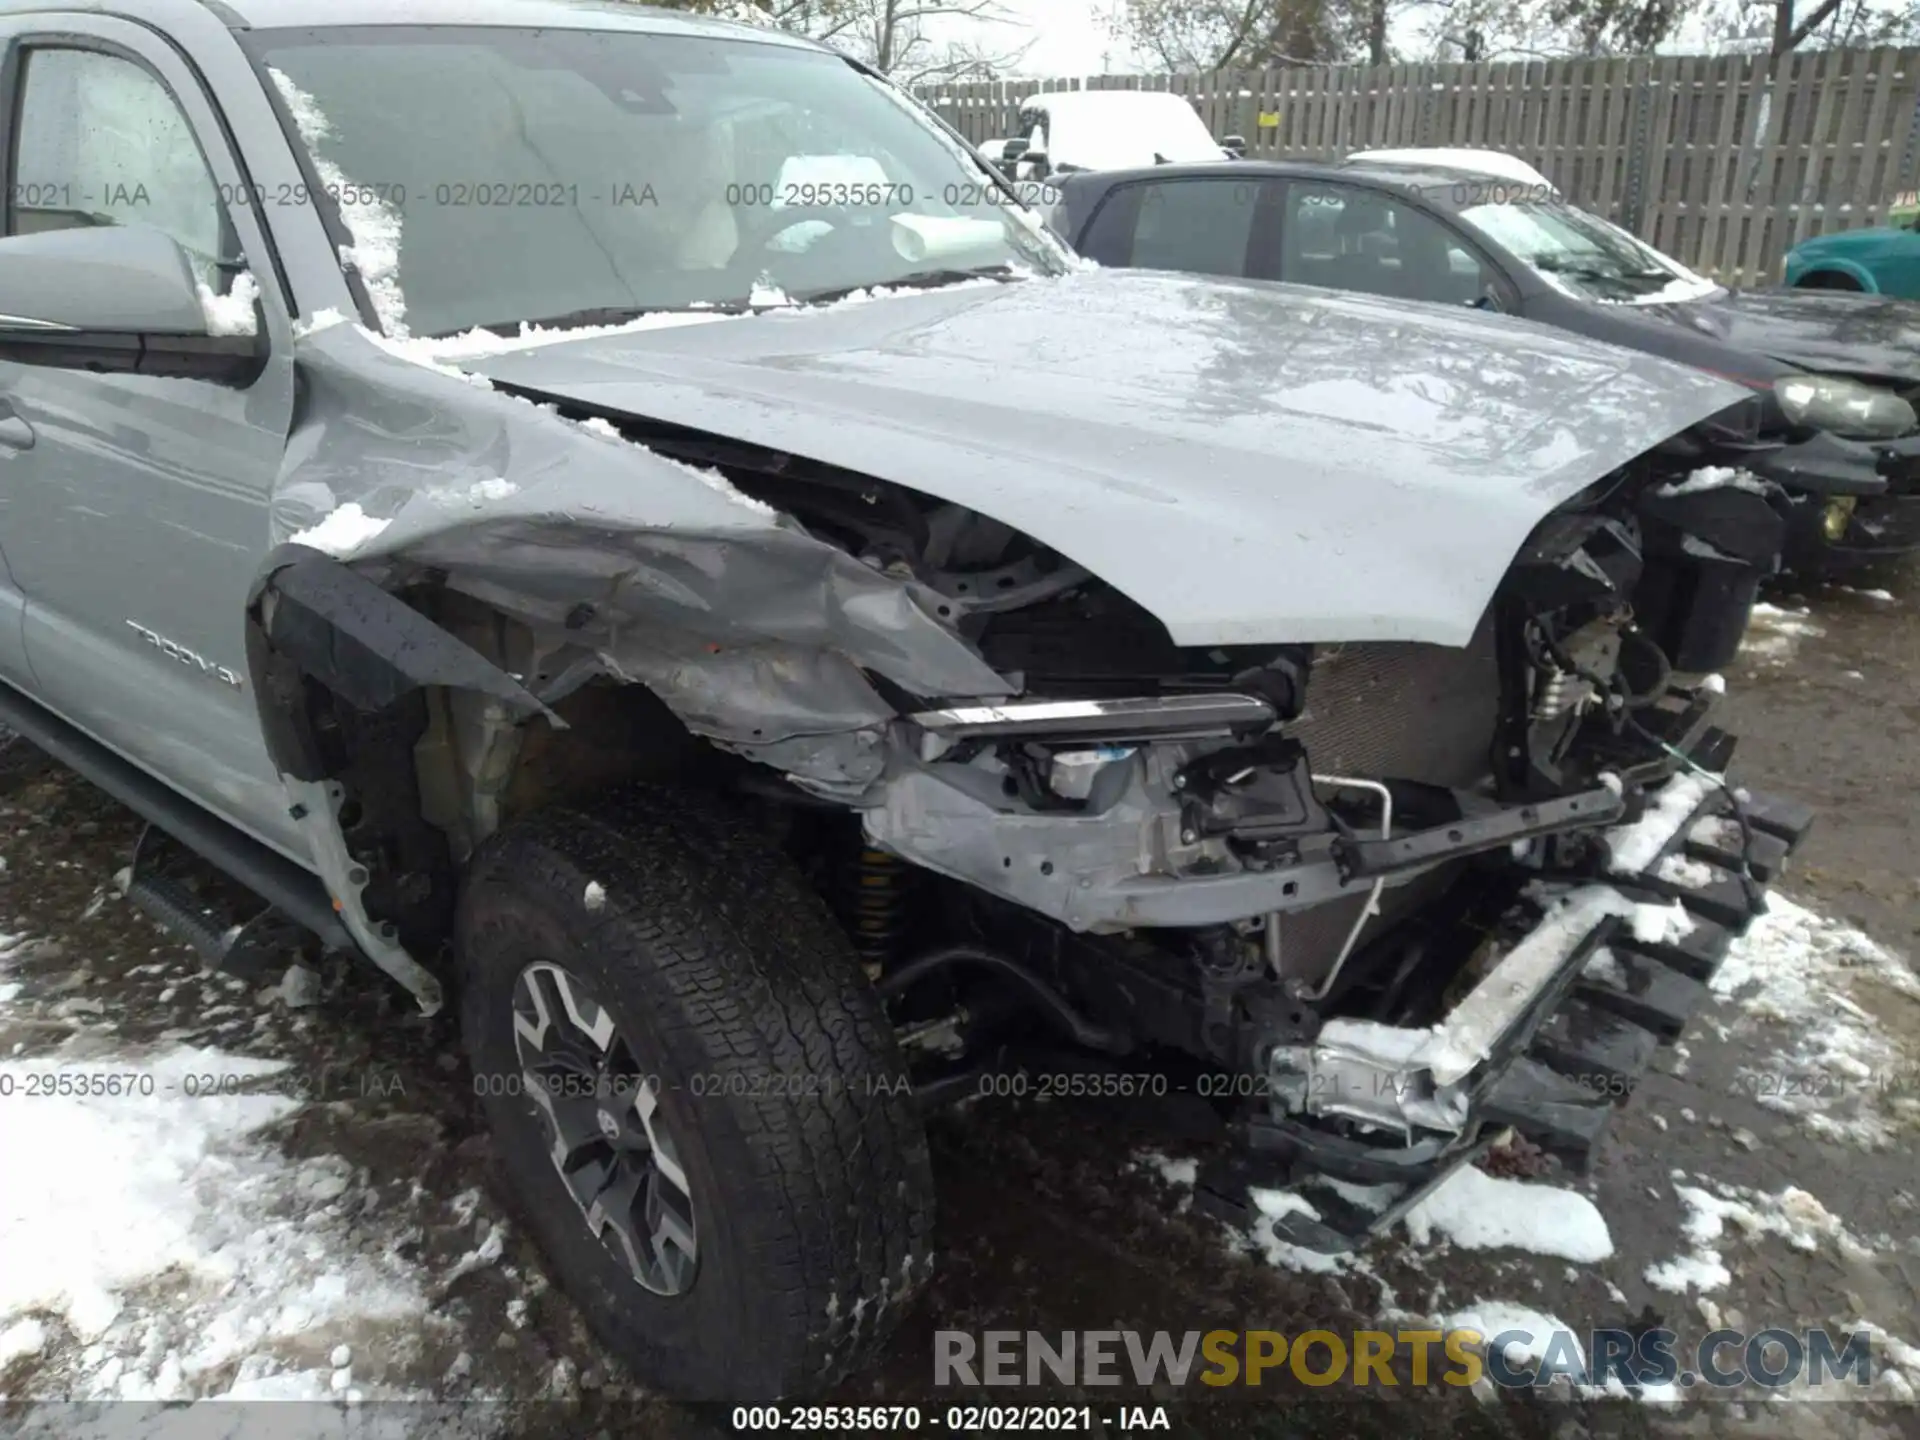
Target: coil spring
(876, 906)
(1552, 696)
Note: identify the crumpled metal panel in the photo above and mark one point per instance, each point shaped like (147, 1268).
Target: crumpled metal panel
(607, 546)
(1252, 463)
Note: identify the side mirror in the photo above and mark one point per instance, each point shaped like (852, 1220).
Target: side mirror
(1035, 162)
(1236, 146)
(118, 300)
(1008, 163)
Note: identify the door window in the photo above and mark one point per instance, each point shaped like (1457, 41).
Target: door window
(100, 141)
(1347, 238)
(1198, 225)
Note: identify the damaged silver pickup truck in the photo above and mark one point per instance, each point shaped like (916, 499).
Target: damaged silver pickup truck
(627, 525)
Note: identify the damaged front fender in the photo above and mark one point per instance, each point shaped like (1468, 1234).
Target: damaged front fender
(407, 483)
(604, 547)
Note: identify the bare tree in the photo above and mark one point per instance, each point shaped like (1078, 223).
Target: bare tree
(1779, 27)
(897, 37)
(1248, 34)
(894, 37)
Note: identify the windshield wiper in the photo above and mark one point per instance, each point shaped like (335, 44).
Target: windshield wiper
(598, 315)
(914, 280)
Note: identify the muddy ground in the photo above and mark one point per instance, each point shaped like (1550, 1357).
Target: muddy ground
(1046, 1221)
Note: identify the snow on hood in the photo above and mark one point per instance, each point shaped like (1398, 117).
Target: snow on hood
(1278, 464)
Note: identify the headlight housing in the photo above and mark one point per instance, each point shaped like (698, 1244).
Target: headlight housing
(1845, 407)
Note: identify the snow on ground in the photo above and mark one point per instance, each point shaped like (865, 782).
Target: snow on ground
(162, 1246)
(1478, 1211)
(1813, 980)
(1774, 634)
(179, 1253)
(1821, 990)
(1793, 1215)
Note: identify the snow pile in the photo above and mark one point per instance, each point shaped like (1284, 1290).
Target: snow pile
(765, 295)
(1793, 1215)
(373, 224)
(1634, 847)
(1679, 870)
(1715, 477)
(1260, 1238)
(1497, 1317)
(1478, 1211)
(1773, 634)
(219, 1251)
(342, 532)
(320, 320)
(1834, 1068)
(1655, 924)
(233, 312)
(1896, 1368)
(1168, 1168)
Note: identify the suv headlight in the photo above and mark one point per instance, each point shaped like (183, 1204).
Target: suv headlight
(1845, 407)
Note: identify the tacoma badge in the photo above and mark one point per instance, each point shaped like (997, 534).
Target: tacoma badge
(185, 656)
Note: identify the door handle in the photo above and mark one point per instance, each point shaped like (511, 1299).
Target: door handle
(15, 433)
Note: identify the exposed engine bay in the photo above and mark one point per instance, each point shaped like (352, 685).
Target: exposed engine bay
(1374, 900)
(1362, 879)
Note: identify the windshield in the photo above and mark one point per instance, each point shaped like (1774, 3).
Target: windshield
(492, 176)
(1115, 131)
(1584, 255)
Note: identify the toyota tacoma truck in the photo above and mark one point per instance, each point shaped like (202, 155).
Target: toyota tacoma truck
(622, 524)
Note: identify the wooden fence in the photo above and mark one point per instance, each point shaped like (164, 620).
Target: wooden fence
(1724, 162)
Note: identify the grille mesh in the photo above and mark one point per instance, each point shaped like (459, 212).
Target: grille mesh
(1411, 712)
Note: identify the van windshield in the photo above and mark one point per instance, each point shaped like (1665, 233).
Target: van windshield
(494, 176)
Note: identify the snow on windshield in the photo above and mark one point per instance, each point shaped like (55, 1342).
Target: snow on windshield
(1585, 256)
(373, 224)
(1113, 130)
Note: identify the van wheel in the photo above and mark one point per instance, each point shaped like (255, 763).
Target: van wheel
(696, 1096)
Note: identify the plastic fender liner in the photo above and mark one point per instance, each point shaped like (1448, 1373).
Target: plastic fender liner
(313, 621)
(367, 646)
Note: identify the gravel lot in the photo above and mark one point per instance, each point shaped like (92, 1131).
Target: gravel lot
(329, 1230)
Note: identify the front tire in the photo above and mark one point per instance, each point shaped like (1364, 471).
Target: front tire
(695, 1094)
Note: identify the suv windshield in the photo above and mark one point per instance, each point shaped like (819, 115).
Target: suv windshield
(492, 176)
(1583, 254)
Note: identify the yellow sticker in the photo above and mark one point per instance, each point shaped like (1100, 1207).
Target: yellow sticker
(1269, 119)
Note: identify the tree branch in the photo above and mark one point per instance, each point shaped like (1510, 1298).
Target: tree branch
(1807, 26)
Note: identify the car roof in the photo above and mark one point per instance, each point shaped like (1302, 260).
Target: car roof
(524, 14)
(1475, 160)
(1103, 99)
(1430, 181)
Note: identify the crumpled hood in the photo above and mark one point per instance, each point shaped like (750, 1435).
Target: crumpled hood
(1832, 331)
(1252, 463)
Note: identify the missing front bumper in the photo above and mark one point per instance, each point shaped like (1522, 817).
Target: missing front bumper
(1556, 1035)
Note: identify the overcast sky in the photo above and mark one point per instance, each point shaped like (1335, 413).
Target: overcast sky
(1069, 37)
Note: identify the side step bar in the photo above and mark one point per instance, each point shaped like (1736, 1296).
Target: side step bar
(249, 948)
(269, 874)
